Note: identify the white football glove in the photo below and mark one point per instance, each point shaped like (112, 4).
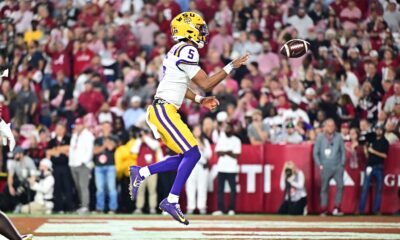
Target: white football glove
(5, 130)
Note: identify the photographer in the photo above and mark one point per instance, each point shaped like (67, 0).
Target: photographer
(43, 185)
(377, 152)
(292, 182)
(148, 150)
(19, 169)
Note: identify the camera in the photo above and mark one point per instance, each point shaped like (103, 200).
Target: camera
(288, 172)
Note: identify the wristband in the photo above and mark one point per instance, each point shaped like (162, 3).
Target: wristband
(228, 68)
(198, 98)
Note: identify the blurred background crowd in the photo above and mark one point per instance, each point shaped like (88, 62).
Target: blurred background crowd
(82, 73)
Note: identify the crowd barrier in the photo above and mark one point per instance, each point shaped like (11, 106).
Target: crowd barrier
(259, 178)
(260, 169)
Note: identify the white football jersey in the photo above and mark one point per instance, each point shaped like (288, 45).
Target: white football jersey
(180, 65)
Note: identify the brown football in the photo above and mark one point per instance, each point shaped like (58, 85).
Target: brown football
(295, 48)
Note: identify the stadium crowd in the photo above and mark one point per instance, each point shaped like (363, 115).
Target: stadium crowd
(82, 73)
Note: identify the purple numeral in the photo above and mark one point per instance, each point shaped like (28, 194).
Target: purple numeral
(191, 55)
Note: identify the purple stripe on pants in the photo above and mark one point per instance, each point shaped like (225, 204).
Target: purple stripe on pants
(169, 132)
(176, 129)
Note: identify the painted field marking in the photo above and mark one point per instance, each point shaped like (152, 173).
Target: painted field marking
(125, 229)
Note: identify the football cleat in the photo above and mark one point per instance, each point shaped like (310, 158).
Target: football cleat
(174, 210)
(135, 180)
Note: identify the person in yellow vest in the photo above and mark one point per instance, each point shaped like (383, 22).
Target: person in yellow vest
(123, 159)
(33, 34)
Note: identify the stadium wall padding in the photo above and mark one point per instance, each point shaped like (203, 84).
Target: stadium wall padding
(261, 167)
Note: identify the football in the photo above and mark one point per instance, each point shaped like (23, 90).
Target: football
(295, 48)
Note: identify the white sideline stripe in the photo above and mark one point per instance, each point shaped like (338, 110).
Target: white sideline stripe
(245, 235)
(90, 226)
(77, 221)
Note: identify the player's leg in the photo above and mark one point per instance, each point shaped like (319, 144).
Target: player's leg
(178, 134)
(8, 230)
(186, 166)
(138, 174)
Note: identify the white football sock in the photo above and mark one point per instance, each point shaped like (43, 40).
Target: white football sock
(172, 198)
(144, 172)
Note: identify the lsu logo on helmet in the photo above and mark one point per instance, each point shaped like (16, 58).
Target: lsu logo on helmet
(191, 26)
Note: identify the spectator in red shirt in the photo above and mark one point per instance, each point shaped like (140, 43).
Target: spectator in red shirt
(90, 14)
(337, 6)
(82, 57)
(350, 16)
(208, 8)
(213, 61)
(90, 100)
(387, 61)
(168, 8)
(117, 93)
(60, 55)
(4, 112)
(346, 108)
(255, 76)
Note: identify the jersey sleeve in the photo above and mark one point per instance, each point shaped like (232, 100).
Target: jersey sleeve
(188, 60)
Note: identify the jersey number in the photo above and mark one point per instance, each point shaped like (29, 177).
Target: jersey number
(191, 55)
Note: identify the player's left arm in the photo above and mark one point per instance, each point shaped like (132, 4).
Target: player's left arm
(189, 63)
(207, 102)
(207, 83)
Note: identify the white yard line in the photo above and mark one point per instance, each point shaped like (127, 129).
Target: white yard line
(219, 224)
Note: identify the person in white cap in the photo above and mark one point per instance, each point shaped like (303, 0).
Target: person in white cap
(43, 185)
(222, 118)
(135, 113)
(309, 97)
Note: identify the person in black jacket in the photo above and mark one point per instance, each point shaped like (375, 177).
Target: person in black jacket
(377, 152)
(57, 152)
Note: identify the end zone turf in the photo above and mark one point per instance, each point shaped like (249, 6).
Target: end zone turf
(99, 227)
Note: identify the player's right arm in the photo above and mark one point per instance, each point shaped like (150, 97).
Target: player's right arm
(207, 83)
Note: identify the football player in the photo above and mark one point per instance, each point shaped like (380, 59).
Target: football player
(7, 229)
(180, 66)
